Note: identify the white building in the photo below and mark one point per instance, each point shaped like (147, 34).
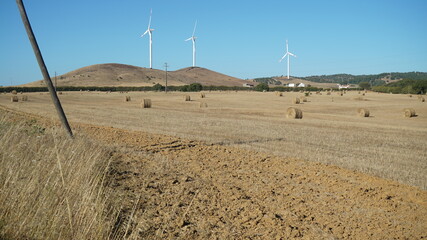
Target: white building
(301, 85)
(343, 86)
(248, 85)
(291, 84)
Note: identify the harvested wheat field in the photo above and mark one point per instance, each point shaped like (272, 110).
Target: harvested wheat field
(241, 169)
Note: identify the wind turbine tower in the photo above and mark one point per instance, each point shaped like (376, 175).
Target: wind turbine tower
(287, 54)
(193, 39)
(149, 31)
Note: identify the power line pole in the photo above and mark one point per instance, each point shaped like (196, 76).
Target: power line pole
(43, 68)
(166, 87)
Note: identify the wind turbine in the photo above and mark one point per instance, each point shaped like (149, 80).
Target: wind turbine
(149, 31)
(287, 54)
(193, 39)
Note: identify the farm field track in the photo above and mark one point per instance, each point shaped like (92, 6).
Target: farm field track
(185, 181)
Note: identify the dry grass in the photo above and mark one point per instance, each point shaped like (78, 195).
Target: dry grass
(51, 186)
(24, 98)
(296, 100)
(127, 99)
(202, 95)
(187, 98)
(14, 99)
(385, 145)
(203, 105)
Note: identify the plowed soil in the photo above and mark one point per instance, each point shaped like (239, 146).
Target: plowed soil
(181, 189)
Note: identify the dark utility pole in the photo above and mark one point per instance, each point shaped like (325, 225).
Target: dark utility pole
(43, 68)
(166, 87)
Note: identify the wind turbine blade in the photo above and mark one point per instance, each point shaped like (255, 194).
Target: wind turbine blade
(293, 55)
(283, 57)
(287, 45)
(145, 33)
(189, 39)
(149, 21)
(195, 25)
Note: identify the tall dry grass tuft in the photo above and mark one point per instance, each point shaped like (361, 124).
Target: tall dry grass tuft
(52, 187)
(187, 98)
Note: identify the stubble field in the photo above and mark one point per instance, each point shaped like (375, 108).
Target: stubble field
(238, 169)
(386, 144)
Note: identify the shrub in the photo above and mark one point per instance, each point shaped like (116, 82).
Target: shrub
(262, 87)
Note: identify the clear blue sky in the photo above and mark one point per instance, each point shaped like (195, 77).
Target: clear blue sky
(240, 38)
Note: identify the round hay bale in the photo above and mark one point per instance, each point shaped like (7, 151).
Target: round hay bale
(14, 99)
(363, 112)
(127, 99)
(410, 95)
(296, 101)
(303, 99)
(363, 94)
(24, 98)
(187, 98)
(146, 103)
(14, 92)
(203, 105)
(60, 93)
(409, 112)
(422, 99)
(202, 95)
(294, 113)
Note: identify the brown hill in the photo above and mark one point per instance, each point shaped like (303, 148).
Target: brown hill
(113, 74)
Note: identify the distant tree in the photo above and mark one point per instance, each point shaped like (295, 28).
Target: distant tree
(195, 87)
(158, 87)
(261, 87)
(365, 85)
